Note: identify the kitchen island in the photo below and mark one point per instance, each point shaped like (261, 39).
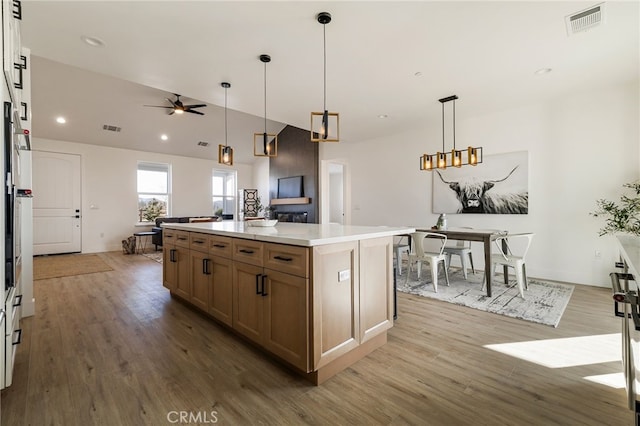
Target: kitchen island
(317, 297)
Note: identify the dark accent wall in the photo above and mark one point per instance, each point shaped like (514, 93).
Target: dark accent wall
(297, 156)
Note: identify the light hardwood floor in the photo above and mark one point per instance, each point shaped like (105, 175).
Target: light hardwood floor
(113, 348)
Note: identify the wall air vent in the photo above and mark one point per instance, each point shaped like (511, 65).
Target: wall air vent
(111, 128)
(201, 143)
(585, 19)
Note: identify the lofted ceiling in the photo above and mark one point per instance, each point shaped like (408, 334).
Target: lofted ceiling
(393, 59)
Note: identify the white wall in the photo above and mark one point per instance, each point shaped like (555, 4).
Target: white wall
(261, 179)
(582, 147)
(109, 183)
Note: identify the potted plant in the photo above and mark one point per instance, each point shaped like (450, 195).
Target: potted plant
(623, 217)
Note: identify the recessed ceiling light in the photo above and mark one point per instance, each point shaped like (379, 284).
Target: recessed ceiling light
(93, 41)
(61, 120)
(418, 74)
(383, 116)
(542, 71)
(164, 137)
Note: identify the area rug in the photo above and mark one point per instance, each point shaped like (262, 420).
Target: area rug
(544, 301)
(155, 256)
(64, 265)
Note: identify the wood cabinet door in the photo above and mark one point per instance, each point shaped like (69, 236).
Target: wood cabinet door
(247, 300)
(335, 295)
(200, 266)
(376, 287)
(221, 289)
(287, 317)
(183, 281)
(169, 267)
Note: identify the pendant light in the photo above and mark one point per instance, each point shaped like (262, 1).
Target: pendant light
(225, 152)
(440, 159)
(325, 126)
(265, 144)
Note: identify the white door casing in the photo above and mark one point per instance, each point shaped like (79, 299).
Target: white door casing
(57, 223)
(335, 195)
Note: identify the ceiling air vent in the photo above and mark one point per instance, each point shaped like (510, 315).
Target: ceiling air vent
(201, 143)
(111, 128)
(585, 19)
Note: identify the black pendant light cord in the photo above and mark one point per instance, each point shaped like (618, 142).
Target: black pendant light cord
(443, 127)
(225, 116)
(454, 124)
(324, 54)
(265, 97)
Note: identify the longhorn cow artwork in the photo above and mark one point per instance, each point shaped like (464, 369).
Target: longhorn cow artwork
(500, 188)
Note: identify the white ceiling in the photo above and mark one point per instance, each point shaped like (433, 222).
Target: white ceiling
(485, 52)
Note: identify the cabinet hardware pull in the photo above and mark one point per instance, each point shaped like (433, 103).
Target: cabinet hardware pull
(18, 84)
(246, 251)
(263, 293)
(286, 259)
(219, 245)
(181, 238)
(17, 11)
(17, 342)
(198, 242)
(172, 256)
(19, 301)
(24, 111)
(258, 291)
(205, 266)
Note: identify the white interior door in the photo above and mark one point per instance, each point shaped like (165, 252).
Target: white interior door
(57, 223)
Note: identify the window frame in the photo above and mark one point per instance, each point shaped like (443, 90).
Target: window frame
(157, 167)
(216, 172)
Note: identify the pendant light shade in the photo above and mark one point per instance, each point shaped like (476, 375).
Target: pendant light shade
(325, 125)
(225, 152)
(474, 155)
(265, 144)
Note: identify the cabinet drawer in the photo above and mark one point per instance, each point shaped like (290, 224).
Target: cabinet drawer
(248, 251)
(292, 260)
(220, 246)
(168, 237)
(199, 242)
(182, 239)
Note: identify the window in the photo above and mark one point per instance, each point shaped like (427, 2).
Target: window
(153, 191)
(224, 192)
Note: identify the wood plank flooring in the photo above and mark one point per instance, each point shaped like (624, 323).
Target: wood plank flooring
(113, 348)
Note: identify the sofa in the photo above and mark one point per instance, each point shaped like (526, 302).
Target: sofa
(156, 238)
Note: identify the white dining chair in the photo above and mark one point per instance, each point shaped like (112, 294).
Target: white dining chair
(418, 254)
(507, 257)
(463, 250)
(400, 247)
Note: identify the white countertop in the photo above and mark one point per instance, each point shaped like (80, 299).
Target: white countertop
(299, 234)
(630, 251)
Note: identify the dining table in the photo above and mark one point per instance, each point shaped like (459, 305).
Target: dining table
(485, 236)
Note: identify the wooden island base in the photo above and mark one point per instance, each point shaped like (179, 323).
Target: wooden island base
(315, 298)
(322, 374)
(345, 361)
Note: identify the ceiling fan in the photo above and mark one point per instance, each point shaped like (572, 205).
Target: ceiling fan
(177, 107)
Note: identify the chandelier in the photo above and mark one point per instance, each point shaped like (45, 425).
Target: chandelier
(456, 157)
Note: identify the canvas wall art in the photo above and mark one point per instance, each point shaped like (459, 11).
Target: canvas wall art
(499, 185)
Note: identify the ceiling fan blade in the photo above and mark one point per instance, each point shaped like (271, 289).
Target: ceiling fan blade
(172, 112)
(172, 103)
(195, 112)
(195, 106)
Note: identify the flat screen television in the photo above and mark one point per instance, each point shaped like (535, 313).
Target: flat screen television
(290, 187)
